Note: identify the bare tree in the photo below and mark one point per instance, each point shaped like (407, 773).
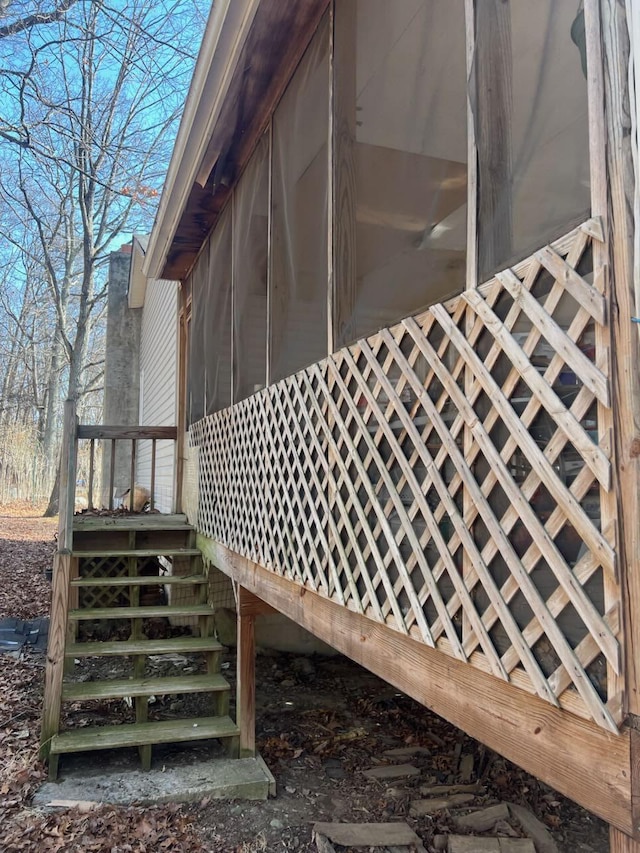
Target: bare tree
(24, 17)
(90, 103)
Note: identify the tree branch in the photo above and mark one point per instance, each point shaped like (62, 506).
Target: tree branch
(30, 21)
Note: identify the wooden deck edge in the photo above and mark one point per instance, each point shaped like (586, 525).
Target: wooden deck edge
(575, 756)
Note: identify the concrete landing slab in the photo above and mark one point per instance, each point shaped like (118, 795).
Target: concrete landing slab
(221, 778)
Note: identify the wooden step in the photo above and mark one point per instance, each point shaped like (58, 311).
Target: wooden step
(148, 521)
(137, 734)
(139, 580)
(158, 551)
(149, 686)
(141, 612)
(115, 648)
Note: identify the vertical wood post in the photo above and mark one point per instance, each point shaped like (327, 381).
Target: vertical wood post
(54, 671)
(246, 684)
(132, 492)
(343, 200)
(112, 471)
(153, 474)
(613, 181)
(625, 344)
(67, 490)
(493, 118)
(183, 358)
(621, 843)
(472, 149)
(73, 604)
(92, 460)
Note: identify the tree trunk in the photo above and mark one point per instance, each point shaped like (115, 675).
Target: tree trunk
(54, 500)
(50, 434)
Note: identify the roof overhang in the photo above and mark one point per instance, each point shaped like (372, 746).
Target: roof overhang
(249, 50)
(225, 33)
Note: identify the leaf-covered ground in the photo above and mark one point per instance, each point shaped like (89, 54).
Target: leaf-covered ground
(27, 552)
(26, 548)
(320, 723)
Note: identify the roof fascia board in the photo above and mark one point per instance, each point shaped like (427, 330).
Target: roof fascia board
(227, 29)
(137, 280)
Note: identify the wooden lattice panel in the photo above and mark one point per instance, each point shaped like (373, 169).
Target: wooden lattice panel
(104, 567)
(451, 478)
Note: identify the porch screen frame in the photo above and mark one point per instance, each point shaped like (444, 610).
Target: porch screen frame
(341, 214)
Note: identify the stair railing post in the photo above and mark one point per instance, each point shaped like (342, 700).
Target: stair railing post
(63, 569)
(68, 464)
(54, 671)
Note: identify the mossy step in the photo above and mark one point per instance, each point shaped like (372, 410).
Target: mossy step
(121, 687)
(140, 580)
(115, 648)
(138, 734)
(158, 551)
(140, 612)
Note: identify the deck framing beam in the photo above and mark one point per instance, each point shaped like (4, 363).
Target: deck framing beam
(575, 756)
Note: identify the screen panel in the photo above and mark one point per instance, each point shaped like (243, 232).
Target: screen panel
(250, 249)
(401, 104)
(532, 126)
(299, 263)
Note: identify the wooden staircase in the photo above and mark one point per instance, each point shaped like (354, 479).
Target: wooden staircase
(107, 571)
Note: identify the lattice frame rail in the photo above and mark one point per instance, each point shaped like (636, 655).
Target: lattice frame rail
(450, 477)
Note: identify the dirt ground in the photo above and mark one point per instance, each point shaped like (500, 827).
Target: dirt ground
(321, 722)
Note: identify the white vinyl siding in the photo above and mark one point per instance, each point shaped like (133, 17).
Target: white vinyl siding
(158, 386)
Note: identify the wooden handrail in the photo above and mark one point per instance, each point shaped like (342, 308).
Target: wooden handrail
(168, 433)
(111, 434)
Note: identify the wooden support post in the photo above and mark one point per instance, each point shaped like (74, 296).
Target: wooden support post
(132, 492)
(342, 177)
(472, 150)
(54, 670)
(91, 473)
(139, 661)
(619, 178)
(246, 688)
(621, 843)
(612, 176)
(67, 489)
(153, 474)
(179, 447)
(493, 111)
(112, 471)
(603, 332)
(74, 604)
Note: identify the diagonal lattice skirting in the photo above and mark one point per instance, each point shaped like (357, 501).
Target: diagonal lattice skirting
(450, 477)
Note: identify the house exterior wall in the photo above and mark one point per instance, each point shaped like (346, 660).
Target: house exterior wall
(158, 386)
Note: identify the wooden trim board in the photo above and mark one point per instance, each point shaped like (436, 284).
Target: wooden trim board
(130, 432)
(576, 757)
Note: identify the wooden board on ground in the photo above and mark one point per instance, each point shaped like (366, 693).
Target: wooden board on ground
(485, 819)
(471, 844)
(391, 771)
(534, 828)
(368, 834)
(419, 808)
